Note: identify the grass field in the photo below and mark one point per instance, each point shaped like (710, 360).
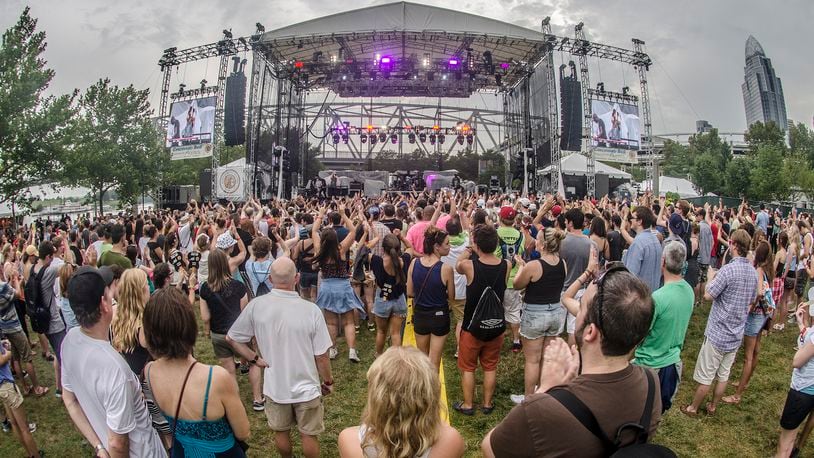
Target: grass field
(748, 430)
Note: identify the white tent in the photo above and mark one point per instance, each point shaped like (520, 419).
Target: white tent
(577, 164)
(684, 188)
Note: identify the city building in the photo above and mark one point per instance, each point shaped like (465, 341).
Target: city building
(702, 126)
(762, 89)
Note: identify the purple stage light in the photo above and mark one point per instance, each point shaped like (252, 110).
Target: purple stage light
(453, 61)
(504, 65)
(385, 60)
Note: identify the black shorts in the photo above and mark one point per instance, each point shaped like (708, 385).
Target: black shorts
(433, 321)
(802, 279)
(798, 406)
(308, 279)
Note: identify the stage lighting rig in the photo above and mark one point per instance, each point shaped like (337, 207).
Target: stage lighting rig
(469, 139)
(411, 137)
(625, 90)
(363, 138)
(372, 138)
(460, 139)
(227, 34)
(441, 139)
(181, 88)
(394, 138)
(382, 137)
(336, 138)
(422, 137)
(203, 85)
(600, 87)
(432, 138)
(259, 27)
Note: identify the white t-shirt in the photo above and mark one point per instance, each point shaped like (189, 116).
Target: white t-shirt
(451, 259)
(185, 238)
(108, 392)
(290, 331)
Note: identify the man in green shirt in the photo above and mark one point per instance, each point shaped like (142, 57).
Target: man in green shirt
(673, 303)
(117, 252)
(510, 244)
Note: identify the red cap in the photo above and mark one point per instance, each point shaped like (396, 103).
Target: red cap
(556, 210)
(507, 213)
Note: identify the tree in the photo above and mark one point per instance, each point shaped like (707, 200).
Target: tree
(767, 180)
(115, 144)
(705, 174)
(760, 134)
(677, 161)
(32, 126)
(710, 157)
(801, 142)
(736, 181)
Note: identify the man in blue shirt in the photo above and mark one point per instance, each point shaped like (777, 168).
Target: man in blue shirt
(643, 258)
(762, 220)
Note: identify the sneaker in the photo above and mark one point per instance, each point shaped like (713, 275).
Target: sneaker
(6, 426)
(371, 326)
(32, 427)
(517, 398)
(259, 406)
(332, 353)
(516, 347)
(456, 354)
(353, 356)
(357, 328)
(58, 394)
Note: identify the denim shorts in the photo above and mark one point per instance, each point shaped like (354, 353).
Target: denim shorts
(542, 320)
(386, 308)
(754, 323)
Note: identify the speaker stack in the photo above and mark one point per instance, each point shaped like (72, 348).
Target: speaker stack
(234, 120)
(571, 109)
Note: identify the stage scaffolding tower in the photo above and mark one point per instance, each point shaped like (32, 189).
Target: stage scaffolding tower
(643, 65)
(580, 49)
(553, 125)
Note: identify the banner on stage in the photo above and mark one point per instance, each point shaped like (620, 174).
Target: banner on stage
(231, 183)
(616, 155)
(191, 128)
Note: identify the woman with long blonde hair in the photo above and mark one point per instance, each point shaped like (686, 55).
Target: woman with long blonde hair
(402, 418)
(128, 335)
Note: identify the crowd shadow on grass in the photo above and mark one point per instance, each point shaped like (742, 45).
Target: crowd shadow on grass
(746, 430)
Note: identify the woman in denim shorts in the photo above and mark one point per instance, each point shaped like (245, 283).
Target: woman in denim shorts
(543, 314)
(390, 302)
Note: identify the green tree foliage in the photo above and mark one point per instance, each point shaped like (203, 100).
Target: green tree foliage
(710, 157)
(736, 181)
(801, 142)
(32, 126)
(677, 161)
(767, 181)
(115, 145)
(760, 134)
(706, 175)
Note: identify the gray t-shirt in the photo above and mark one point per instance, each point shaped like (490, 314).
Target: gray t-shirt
(575, 251)
(49, 278)
(704, 243)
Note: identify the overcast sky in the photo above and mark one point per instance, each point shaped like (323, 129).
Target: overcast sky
(698, 46)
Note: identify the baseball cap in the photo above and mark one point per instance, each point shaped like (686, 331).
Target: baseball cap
(524, 201)
(31, 250)
(532, 207)
(677, 224)
(373, 210)
(507, 213)
(87, 286)
(556, 210)
(481, 203)
(225, 241)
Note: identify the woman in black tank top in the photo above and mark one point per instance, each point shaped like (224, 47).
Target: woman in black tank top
(543, 314)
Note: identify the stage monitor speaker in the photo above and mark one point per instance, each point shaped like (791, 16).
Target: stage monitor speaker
(601, 185)
(234, 122)
(571, 109)
(206, 185)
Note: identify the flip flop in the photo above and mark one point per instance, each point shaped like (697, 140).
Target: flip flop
(688, 413)
(39, 391)
(733, 399)
(711, 412)
(487, 410)
(458, 406)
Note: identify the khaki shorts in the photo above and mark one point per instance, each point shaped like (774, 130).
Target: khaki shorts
(221, 347)
(20, 348)
(10, 395)
(512, 304)
(307, 416)
(713, 363)
(457, 307)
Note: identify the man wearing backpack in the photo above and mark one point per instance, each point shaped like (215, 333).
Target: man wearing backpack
(46, 298)
(581, 415)
(483, 324)
(510, 243)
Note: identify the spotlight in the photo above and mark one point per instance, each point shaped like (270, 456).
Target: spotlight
(363, 138)
(260, 28)
(372, 139)
(441, 139)
(625, 90)
(487, 61)
(345, 138)
(411, 138)
(382, 137)
(422, 137)
(432, 139)
(505, 65)
(336, 138)
(426, 62)
(454, 62)
(394, 138)
(460, 139)
(600, 87)
(385, 60)
(203, 85)
(298, 64)
(227, 33)
(469, 139)
(444, 76)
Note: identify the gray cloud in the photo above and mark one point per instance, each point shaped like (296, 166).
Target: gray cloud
(697, 45)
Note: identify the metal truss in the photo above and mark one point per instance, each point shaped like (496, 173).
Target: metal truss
(581, 50)
(554, 124)
(647, 145)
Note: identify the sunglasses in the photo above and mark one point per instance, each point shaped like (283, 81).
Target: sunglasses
(612, 267)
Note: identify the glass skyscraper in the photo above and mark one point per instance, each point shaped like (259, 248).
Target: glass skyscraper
(762, 90)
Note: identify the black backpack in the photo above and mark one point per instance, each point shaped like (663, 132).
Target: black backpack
(487, 322)
(614, 448)
(38, 311)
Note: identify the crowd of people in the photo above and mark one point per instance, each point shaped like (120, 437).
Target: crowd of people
(597, 295)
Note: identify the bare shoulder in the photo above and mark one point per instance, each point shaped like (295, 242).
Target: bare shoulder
(450, 443)
(349, 446)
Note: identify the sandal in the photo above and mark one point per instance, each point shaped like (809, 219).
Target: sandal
(39, 391)
(733, 399)
(710, 412)
(685, 411)
(487, 410)
(459, 406)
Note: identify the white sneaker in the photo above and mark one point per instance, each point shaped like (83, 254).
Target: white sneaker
(517, 398)
(332, 353)
(353, 356)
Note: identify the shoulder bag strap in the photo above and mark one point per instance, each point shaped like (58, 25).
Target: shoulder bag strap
(180, 398)
(583, 414)
(648, 407)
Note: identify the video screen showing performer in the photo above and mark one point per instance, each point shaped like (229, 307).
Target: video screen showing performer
(615, 125)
